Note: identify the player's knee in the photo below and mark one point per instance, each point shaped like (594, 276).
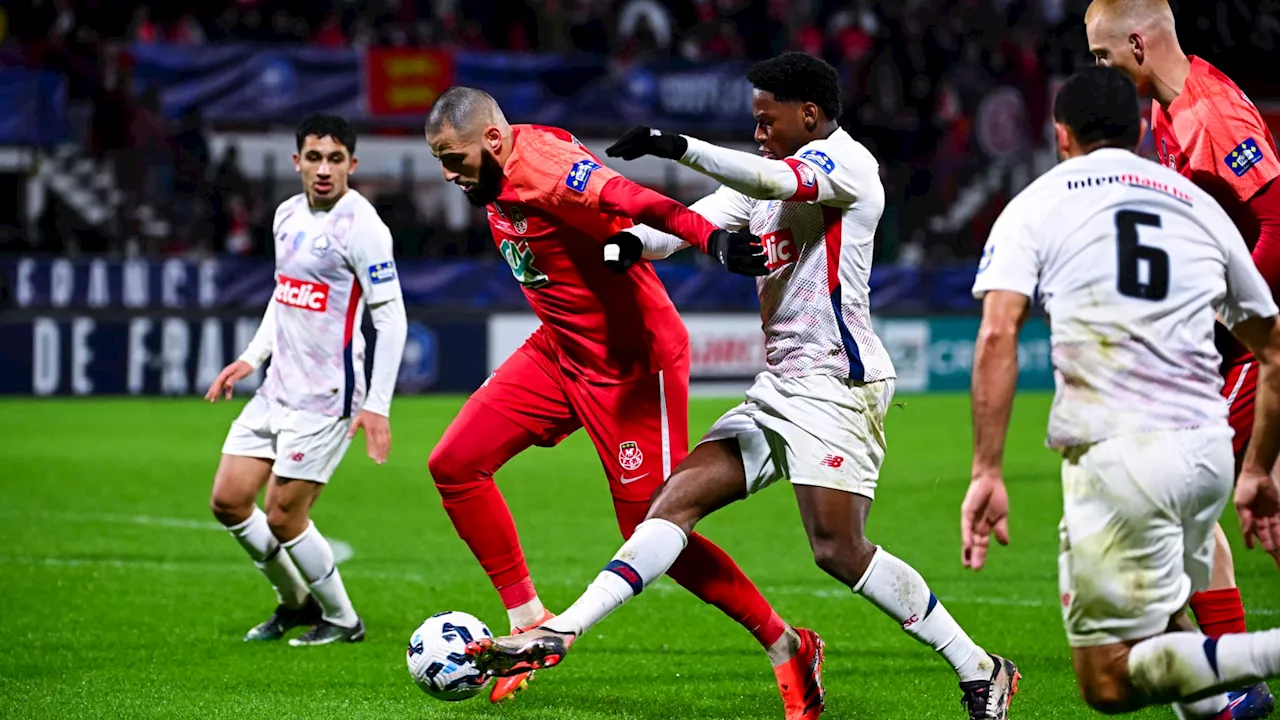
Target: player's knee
(286, 522)
(843, 557)
(230, 510)
(452, 470)
(1105, 692)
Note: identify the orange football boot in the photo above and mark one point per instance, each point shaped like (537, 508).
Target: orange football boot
(800, 679)
(505, 687)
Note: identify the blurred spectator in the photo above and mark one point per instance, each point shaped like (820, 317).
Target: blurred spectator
(330, 34)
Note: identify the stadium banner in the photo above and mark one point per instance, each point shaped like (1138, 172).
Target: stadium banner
(929, 354)
(153, 353)
(405, 81)
(246, 82)
(721, 347)
(35, 107)
(455, 285)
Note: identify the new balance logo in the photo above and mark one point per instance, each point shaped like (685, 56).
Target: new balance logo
(302, 294)
(832, 461)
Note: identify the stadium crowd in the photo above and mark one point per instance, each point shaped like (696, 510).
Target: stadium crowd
(916, 74)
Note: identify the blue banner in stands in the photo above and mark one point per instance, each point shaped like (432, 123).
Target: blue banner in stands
(239, 82)
(35, 107)
(459, 285)
(250, 83)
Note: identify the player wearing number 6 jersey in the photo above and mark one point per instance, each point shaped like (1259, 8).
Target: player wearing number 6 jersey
(1206, 129)
(611, 356)
(816, 416)
(1131, 260)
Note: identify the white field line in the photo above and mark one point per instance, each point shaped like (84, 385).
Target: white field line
(343, 551)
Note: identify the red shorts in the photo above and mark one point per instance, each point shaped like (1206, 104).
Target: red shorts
(1240, 388)
(640, 428)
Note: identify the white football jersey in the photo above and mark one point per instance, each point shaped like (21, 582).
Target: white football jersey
(329, 264)
(815, 305)
(1131, 260)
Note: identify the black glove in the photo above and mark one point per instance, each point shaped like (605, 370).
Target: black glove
(640, 141)
(621, 251)
(739, 251)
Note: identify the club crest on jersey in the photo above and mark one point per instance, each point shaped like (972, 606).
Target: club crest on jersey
(518, 220)
(1244, 157)
(819, 158)
(320, 246)
(521, 259)
(382, 272)
(629, 456)
(807, 176)
(580, 175)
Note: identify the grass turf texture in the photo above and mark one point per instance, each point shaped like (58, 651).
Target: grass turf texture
(121, 598)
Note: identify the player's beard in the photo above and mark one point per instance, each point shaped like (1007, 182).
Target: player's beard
(489, 185)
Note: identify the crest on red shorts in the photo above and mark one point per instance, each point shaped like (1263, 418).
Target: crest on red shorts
(629, 456)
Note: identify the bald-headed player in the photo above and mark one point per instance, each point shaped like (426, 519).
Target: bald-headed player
(611, 357)
(1206, 129)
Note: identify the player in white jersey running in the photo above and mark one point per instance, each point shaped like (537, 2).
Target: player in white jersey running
(1131, 260)
(333, 258)
(816, 416)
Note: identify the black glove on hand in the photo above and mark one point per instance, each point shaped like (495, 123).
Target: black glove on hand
(640, 141)
(621, 251)
(739, 251)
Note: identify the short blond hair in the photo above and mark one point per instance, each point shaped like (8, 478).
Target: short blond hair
(1132, 10)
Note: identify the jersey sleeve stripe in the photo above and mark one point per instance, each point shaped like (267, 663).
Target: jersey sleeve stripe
(348, 364)
(806, 181)
(833, 219)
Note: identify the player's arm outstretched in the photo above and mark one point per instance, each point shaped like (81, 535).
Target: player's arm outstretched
(726, 208)
(1006, 282)
(251, 359)
(375, 269)
(564, 179)
(811, 177)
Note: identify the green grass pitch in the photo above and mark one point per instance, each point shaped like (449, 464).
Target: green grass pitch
(119, 597)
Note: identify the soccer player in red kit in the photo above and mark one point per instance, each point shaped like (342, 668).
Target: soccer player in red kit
(611, 357)
(1206, 129)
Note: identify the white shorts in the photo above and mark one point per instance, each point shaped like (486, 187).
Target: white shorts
(304, 445)
(815, 430)
(1137, 530)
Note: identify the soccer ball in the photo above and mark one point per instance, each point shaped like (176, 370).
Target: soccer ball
(437, 658)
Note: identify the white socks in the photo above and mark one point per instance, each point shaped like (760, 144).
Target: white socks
(1189, 665)
(314, 558)
(785, 647)
(644, 558)
(255, 537)
(1207, 709)
(526, 615)
(899, 591)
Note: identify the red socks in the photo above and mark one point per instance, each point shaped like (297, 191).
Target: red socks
(1219, 612)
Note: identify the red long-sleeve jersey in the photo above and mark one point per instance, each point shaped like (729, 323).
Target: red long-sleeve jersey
(557, 206)
(1215, 136)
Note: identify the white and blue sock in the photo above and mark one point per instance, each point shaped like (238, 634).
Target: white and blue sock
(902, 594)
